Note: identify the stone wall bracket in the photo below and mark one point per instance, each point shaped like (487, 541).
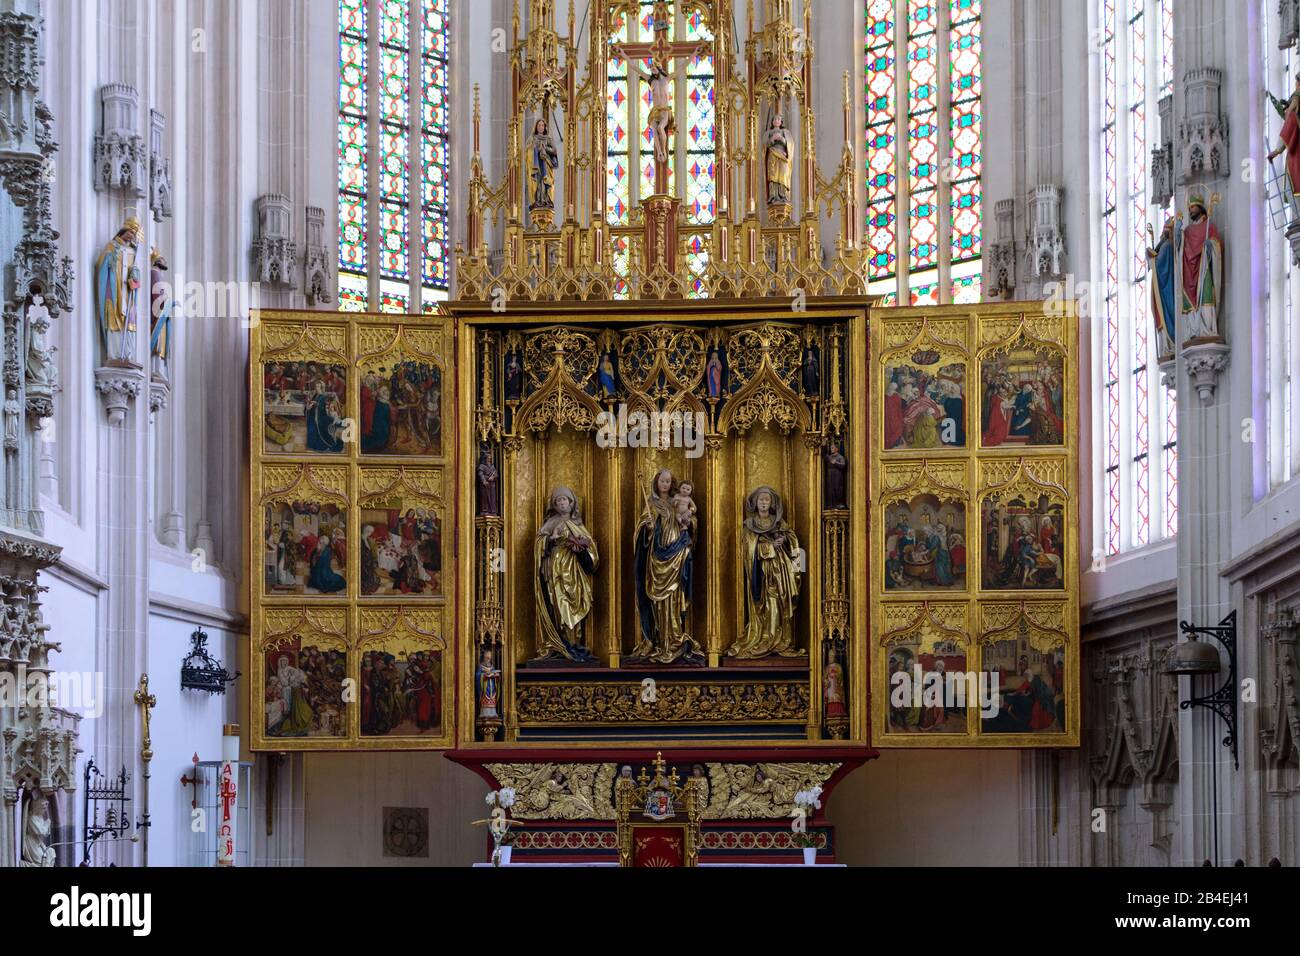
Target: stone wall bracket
(1205, 362)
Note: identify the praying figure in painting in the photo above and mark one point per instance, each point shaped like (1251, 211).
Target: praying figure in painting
(663, 571)
(566, 560)
(777, 149)
(1289, 110)
(545, 159)
(1202, 261)
(1160, 275)
(117, 287)
(771, 579)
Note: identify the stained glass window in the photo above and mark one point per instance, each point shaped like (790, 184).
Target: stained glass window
(629, 169)
(1138, 487)
(392, 154)
(923, 158)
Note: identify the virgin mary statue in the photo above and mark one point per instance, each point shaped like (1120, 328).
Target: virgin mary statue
(566, 559)
(663, 570)
(771, 579)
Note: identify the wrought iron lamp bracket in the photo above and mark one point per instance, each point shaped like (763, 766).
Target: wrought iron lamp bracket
(1222, 701)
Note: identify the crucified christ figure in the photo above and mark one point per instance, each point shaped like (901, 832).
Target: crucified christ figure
(662, 119)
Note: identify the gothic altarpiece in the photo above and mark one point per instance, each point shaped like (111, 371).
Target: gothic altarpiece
(616, 499)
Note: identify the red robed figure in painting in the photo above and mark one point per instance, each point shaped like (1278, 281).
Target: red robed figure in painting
(893, 416)
(999, 422)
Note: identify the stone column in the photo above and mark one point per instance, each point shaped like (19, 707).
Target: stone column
(1210, 47)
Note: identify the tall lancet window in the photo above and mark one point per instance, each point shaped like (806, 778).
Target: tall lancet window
(1136, 414)
(923, 155)
(393, 235)
(630, 140)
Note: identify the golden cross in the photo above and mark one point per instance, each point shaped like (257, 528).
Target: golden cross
(147, 702)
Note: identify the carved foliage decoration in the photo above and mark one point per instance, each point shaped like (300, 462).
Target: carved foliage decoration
(584, 791)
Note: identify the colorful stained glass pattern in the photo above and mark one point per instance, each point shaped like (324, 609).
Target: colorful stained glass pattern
(401, 149)
(701, 188)
(353, 148)
(881, 140)
(924, 168)
(923, 134)
(434, 201)
(965, 129)
(617, 123)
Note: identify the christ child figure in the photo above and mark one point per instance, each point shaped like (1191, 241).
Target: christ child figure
(685, 505)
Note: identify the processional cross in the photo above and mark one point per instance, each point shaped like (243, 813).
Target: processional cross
(660, 52)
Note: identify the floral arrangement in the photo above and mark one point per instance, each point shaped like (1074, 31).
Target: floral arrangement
(805, 801)
(810, 799)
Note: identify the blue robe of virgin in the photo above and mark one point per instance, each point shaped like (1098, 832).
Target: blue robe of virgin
(942, 561)
(1162, 298)
(647, 543)
(1021, 421)
(320, 426)
(380, 425)
(323, 577)
(954, 407)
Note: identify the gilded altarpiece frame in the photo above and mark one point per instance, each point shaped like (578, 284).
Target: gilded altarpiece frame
(539, 429)
(351, 532)
(974, 525)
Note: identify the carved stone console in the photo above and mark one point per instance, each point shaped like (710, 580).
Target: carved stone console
(1205, 363)
(118, 388)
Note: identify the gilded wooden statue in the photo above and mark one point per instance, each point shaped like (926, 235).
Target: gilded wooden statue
(566, 567)
(771, 583)
(664, 571)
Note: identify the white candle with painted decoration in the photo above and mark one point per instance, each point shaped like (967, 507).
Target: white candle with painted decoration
(228, 796)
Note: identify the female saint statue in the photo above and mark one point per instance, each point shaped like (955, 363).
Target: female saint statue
(665, 546)
(37, 827)
(545, 159)
(777, 148)
(566, 560)
(771, 582)
(42, 373)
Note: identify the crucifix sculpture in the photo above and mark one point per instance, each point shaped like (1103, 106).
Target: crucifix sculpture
(147, 702)
(660, 52)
